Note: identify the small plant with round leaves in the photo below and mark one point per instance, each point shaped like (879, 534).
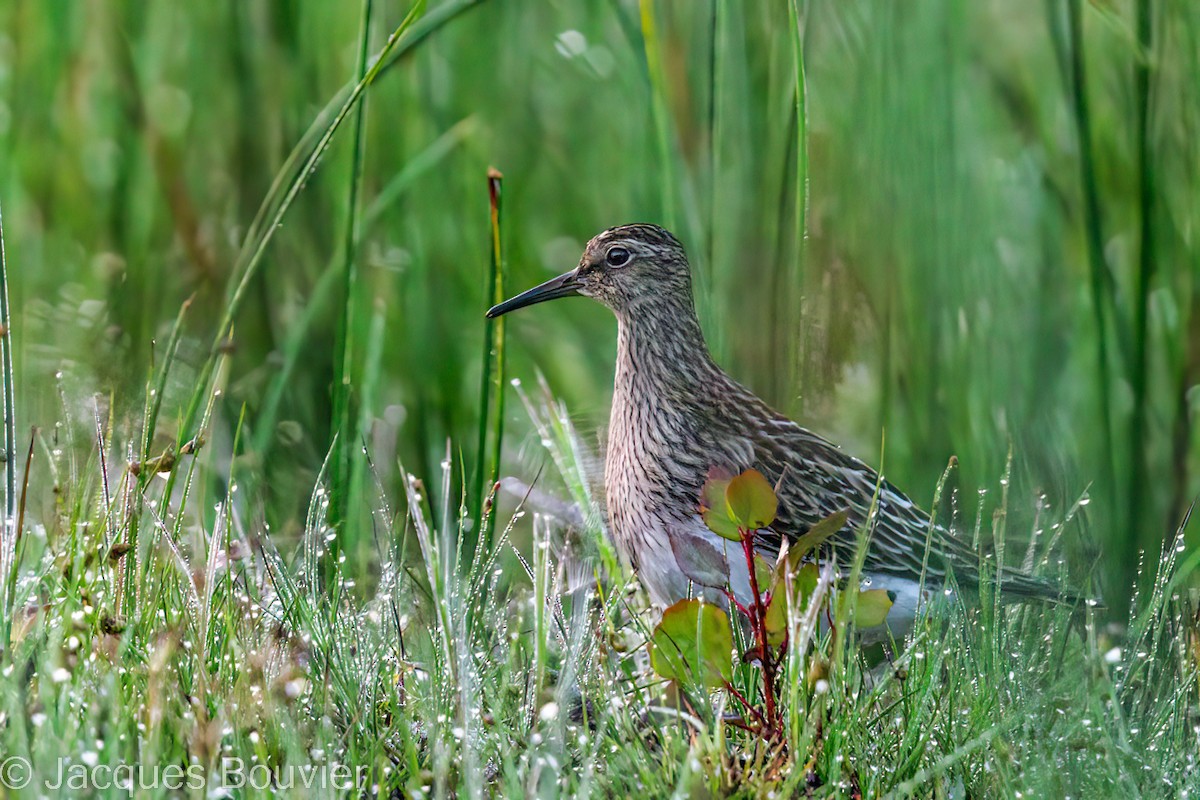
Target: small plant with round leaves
(692, 644)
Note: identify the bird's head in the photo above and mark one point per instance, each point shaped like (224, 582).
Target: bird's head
(621, 268)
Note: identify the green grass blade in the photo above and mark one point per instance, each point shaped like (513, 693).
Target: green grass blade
(343, 373)
(8, 531)
(398, 43)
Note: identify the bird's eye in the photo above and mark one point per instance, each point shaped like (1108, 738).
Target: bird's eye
(617, 257)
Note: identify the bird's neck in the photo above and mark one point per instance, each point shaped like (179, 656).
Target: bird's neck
(661, 350)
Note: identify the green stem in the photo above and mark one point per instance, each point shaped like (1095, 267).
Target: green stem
(493, 370)
(716, 140)
(1101, 280)
(8, 533)
(796, 289)
(343, 377)
(659, 111)
(1139, 379)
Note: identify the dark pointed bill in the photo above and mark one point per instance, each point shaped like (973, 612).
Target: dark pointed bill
(564, 285)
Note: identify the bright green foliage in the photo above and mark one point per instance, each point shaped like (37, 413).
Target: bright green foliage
(714, 508)
(792, 558)
(804, 581)
(872, 608)
(751, 501)
(693, 644)
(816, 536)
(731, 506)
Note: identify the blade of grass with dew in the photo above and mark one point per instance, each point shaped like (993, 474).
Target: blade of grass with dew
(18, 530)
(574, 463)
(372, 367)
(153, 406)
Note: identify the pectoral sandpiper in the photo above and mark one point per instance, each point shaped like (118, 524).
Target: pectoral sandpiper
(676, 415)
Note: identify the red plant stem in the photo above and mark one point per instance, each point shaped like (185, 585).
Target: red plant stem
(733, 599)
(758, 621)
(741, 698)
(737, 723)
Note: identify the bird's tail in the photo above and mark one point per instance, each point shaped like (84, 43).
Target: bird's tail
(1017, 585)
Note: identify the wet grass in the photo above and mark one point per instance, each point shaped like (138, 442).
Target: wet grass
(466, 674)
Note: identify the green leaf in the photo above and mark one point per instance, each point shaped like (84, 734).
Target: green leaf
(751, 500)
(765, 573)
(872, 607)
(804, 583)
(713, 508)
(693, 644)
(792, 554)
(816, 536)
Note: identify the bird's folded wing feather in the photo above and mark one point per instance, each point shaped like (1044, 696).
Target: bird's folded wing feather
(816, 479)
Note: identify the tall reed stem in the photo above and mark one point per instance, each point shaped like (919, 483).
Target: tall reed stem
(492, 381)
(8, 530)
(1139, 378)
(343, 371)
(1100, 278)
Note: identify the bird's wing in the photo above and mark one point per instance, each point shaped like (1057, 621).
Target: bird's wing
(816, 479)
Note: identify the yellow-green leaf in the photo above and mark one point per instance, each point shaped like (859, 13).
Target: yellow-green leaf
(693, 644)
(764, 573)
(751, 500)
(816, 536)
(872, 607)
(804, 583)
(714, 510)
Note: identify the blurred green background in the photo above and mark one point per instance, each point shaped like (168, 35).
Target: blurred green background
(1002, 228)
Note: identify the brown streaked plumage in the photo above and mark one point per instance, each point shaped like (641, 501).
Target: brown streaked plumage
(676, 414)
